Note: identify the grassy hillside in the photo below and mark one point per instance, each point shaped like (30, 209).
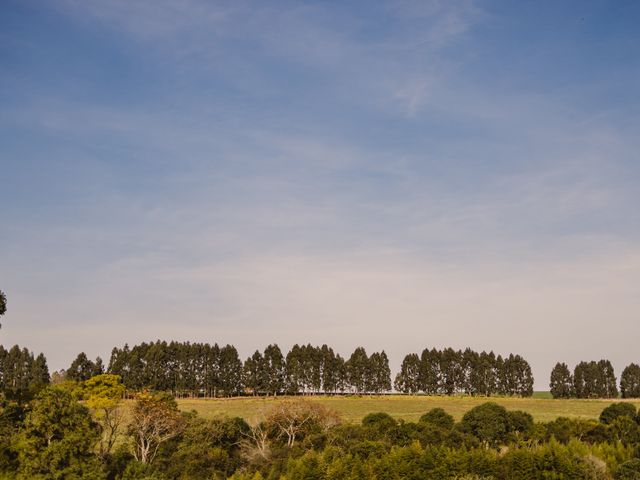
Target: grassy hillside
(353, 408)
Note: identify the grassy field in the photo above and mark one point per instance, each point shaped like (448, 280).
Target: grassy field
(353, 408)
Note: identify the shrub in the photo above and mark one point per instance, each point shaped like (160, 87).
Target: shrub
(438, 418)
(616, 410)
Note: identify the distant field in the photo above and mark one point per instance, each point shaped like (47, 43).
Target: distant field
(407, 407)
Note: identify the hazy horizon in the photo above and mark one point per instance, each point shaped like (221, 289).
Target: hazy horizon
(395, 175)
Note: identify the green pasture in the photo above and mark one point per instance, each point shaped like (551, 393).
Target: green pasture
(407, 407)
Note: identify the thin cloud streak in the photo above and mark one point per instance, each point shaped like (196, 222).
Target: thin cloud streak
(319, 173)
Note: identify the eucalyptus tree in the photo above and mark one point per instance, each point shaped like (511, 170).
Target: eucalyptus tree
(630, 381)
(357, 370)
(561, 381)
(408, 379)
(274, 370)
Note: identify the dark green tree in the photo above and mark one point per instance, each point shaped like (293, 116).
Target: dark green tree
(40, 372)
(608, 385)
(380, 422)
(437, 417)
(617, 410)
(630, 381)
(451, 371)
(430, 371)
(357, 370)
(230, 371)
(520, 422)
(595, 380)
(331, 366)
(58, 439)
(294, 366)
(253, 374)
(470, 367)
(489, 422)
(81, 368)
(408, 379)
(20, 374)
(585, 378)
(378, 375)
(561, 382)
(274, 370)
(208, 449)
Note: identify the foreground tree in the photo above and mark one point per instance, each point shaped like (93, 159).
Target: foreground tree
(208, 449)
(104, 394)
(561, 382)
(292, 419)
(488, 422)
(155, 419)
(630, 381)
(58, 439)
(438, 418)
(618, 410)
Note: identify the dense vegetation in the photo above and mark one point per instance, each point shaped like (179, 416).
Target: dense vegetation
(85, 430)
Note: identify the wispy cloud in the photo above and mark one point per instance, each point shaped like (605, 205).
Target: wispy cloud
(312, 172)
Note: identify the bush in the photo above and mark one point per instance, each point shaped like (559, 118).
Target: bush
(381, 421)
(616, 410)
(488, 422)
(438, 418)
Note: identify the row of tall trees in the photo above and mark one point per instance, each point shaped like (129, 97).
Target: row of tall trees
(22, 373)
(594, 380)
(201, 369)
(449, 371)
(589, 380)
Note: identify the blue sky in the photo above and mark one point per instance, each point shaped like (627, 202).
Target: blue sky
(395, 175)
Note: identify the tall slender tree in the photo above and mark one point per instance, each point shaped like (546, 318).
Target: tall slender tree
(275, 369)
(561, 381)
(429, 378)
(408, 379)
(630, 381)
(81, 368)
(357, 370)
(253, 375)
(379, 375)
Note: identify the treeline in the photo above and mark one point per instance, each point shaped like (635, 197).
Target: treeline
(594, 380)
(201, 369)
(22, 373)
(448, 371)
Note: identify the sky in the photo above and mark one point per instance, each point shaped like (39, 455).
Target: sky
(396, 175)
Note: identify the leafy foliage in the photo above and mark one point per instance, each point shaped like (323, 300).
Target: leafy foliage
(58, 438)
(561, 383)
(617, 410)
(630, 381)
